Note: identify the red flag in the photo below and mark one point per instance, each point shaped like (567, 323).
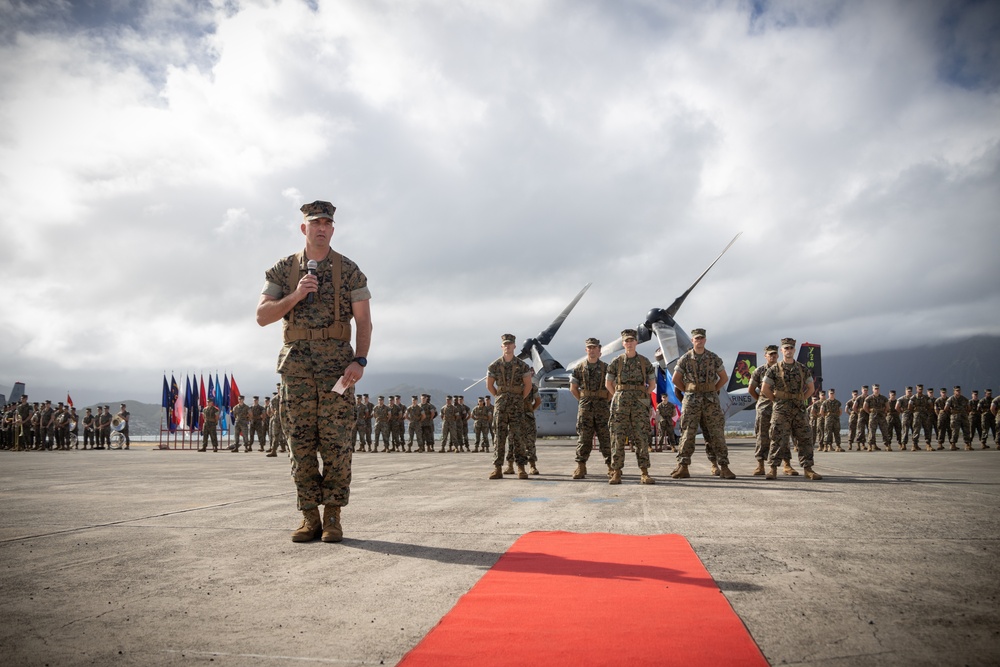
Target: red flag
(69, 401)
(202, 402)
(234, 394)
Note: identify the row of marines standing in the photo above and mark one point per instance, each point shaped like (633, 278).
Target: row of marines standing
(387, 422)
(41, 426)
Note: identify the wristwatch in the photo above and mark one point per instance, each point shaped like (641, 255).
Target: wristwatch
(361, 361)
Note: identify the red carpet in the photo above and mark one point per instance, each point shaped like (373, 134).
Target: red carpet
(591, 599)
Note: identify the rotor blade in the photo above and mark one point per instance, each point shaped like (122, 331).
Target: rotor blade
(546, 336)
(474, 384)
(667, 337)
(676, 305)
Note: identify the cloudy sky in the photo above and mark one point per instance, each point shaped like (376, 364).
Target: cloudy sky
(488, 159)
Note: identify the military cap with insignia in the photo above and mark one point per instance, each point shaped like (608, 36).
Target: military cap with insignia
(770, 348)
(698, 333)
(787, 342)
(629, 333)
(318, 209)
(592, 342)
(508, 338)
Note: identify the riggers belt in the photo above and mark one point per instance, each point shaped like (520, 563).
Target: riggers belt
(700, 387)
(338, 330)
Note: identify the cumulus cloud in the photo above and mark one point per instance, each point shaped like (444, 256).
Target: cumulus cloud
(487, 161)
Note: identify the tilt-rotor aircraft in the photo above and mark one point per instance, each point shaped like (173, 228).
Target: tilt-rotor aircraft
(15, 394)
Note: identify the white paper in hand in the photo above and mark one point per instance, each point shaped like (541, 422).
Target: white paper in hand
(341, 386)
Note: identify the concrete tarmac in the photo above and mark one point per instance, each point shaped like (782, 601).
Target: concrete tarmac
(148, 557)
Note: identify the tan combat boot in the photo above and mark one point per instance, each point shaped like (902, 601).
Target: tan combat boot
(680, 472)
(715, 469)
(888, 446)
(811, 474)
(532, 468)
(616, 477)
(497, 473)
(772, 473)
(725, 472)
(953, 448)
(509, 470)
(581, 471)
(839, 449)
(968, 448)
(332, 530)
(930, 447)
(611, 472)
(311, 526)
(789, 470)
(521, 474)
(759, 470)
(646, 479)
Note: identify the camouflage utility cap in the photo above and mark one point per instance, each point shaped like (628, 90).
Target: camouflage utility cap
(697, 333)
(629, 333)
(592, 342)
(318, 209)
(507, 338)
(787, 342)
(770, 348)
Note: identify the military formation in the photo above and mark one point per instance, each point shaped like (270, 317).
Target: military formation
(26, 426)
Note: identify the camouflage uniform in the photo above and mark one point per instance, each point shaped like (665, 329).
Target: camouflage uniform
(831, 423)
(209, 424)
(529, 427)
(413, 415)
(989, 419)
(958, 407)
(629, 423)
(318, 422)
(700, 374)
(943, 422)
(975, 418)
(358, 436)
(368, 424)
(481, 420)
(895, 420)
(381, 415)
(429, 412)
(277, 436)
(509, 377)
(463, 422)
(922, 406)
(593, 411)
(257, 425)
(449, 426)
(905, 410)
(789, 381)
(104, 434)
(814, 412)
(762, 420)
(875, 406)
(396, 425)
(241, 425)
(852, 420)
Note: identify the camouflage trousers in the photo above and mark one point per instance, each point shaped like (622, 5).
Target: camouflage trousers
(382, 432)
(398, 431)
(507, 416)
(922, 421)
(960, 422)
(761, 429)
(427, 435)
(702, 410)
(815, 432)
(206, 433)
(895, 428)
(852, 428)
(976, 426)
(450, 438)
(414, 431)
(790, 422)
(277, 437)
(989, 426)
(483, 434)
(592, 422)
(877, 422)
(629, 425)
(906, 427)
(943, 428)
(257, 429)
(528, 434)
(241, 430)
(831, 426)
(318, 423)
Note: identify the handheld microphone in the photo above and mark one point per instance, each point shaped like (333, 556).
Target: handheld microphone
(311, 270)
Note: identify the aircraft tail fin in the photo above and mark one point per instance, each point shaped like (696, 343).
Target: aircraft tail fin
(746, 363)
(809, 356)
